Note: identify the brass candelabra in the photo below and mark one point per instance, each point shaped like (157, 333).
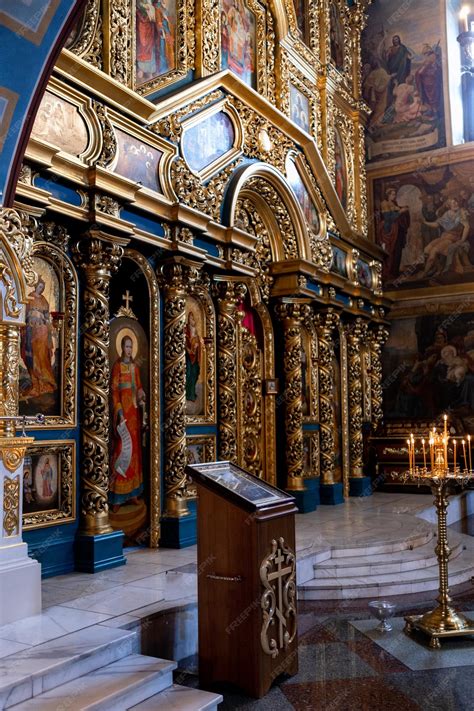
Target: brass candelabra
(444, 620)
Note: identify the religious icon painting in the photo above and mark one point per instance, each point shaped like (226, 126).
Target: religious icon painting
(339, 261)
(364, 274)
(156, 36)
(59, 122)
(302, 194)
(301, 10)
(47, 375)
(196, 358)
(210, 140)
(340, 169)
(200, 449)
(28, 18)
(336, 37)
(137, 160)
(299, 108)
(238, 40)
(49, 484)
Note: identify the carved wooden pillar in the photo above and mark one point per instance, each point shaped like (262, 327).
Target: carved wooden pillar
(99, 256)
(228, 293)
(326, 324)
(377, 339)
(292, 316)
(175, 277)
(354, 333)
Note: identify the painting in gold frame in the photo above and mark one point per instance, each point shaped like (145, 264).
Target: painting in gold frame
(200, 357)
(200, 449)
(49, 484)
(48, 352)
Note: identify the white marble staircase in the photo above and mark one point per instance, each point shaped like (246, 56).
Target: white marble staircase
(97, 668)
(401, 566)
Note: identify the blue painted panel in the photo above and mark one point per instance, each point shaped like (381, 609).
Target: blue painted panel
(201, 429)
(316, 288)
(311, 427)
(144, 222)
(59, 189)
(210, 247)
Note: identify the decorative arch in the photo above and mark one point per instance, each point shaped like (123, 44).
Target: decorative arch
(263, 188)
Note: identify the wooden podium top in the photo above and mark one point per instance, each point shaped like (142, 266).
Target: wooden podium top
(241, 488)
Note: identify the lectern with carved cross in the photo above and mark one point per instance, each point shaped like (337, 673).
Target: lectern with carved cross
(246, 579)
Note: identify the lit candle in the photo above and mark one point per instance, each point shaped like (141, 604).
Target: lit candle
(424, 453)
(463, 16)
(409, 454)
(464, 452)
(470, 452)
(431, 453)
(454, 456)
(446, 441)
(413, 451)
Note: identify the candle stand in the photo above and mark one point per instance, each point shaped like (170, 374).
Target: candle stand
(444, 621)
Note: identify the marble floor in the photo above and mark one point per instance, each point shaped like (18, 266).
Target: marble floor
(331, 647)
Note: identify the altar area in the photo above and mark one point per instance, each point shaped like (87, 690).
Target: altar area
(372, 547)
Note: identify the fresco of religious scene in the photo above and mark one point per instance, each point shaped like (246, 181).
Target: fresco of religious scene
(425, 223)
(299, 188)
(129, 403)
(238, 40)
(340, 169)
(339, 261)
(336, 35)
(206, 141)
(60, 123)
(137, 161)
(155, 39)
(429, 364)
(195, 357)
(403, 79)
(299, 108)
(41, 345)
(40, 482)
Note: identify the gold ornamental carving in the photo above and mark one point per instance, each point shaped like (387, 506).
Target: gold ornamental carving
(15, 228)
(9, 365)
(11, 506)
(192, 192)
(292, 316)
(99, 259)
(326, 324)
(175, 279)
(278, 601)
(251, 443)
(209, 36)
(12, 457)
(88, 44)
(228, 296)
(378, 337)
(118, 37)
(109, 140)
(247, 218)
(354, 334)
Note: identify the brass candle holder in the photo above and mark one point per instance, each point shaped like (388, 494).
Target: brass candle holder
(444, 620)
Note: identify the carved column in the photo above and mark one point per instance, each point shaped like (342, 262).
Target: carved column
(175, 276)
(99, 257)
(228, 294)
(354, 333)
(292, 316)
(377, 340)
(326, 323)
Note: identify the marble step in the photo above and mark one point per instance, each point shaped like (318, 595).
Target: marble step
(180, 698)
(118, 686)
(33, 671)
(398, 562)
(460, 571)
(420, 537)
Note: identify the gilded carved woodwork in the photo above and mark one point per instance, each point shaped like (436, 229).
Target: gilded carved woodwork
(11, 506)
(250, 386)
(278, 601)
(247, 218)
(292, 316)
(171, 126)
(99, 259)
(378, 337)
(118, 40)
(175, 278)
(12, 457)
(200, 289)
(208, 36)
(190, 190)
(154, 396)
(9, 367)
(15, 229)
(326, 324)
(228, 296)
(88, 44)
(354, 334)
(109, 140)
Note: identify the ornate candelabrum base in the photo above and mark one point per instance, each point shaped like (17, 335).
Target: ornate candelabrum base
(440, 623)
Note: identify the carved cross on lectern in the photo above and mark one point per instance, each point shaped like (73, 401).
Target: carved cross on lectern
(277, 573)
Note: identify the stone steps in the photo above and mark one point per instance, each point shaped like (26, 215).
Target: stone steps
(95, 669)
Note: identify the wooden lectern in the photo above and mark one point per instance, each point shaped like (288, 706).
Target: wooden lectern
(246, 578)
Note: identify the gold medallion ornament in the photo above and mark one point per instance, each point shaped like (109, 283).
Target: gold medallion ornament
(278, 601)
(12, 456)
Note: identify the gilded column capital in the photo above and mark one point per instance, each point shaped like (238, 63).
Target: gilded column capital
(98, 254)
(327, 321)
(293, 312)
(228, 292)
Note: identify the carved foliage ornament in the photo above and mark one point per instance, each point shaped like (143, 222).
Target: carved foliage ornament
(11, 506)
(278, 601)
(88, 41)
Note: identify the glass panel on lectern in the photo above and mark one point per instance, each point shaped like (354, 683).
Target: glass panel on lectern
(240, 482)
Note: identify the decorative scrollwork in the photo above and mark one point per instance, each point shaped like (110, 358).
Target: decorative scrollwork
(11, 506)
(278, 601)
(89, 40)
(119, 60)
(171, 127)
(189, 189)
(228, 296)
(98, 259)
(292, 315)
(12, 457)
(251, 416)
(378, 337)
(15, 227)
(354, 334)
(326, 323)
(109, 140)
(247, 218)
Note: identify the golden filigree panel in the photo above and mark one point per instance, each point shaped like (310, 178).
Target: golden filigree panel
(251, 443)
(11, 506)
(278, 601)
